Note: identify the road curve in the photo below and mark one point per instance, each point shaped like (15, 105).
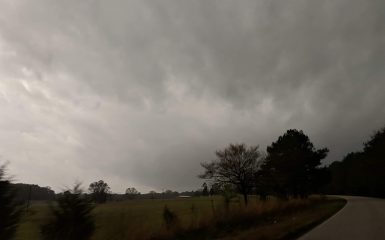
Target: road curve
(361, 218)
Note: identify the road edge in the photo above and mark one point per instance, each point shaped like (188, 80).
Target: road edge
(323, 221)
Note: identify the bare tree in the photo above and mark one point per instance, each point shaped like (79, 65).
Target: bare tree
(235, 165)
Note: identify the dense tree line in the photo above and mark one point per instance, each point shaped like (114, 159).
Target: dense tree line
(28, 192)
(363, 172)
(291, 168)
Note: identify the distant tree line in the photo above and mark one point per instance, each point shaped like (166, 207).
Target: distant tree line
(166, 194)
(363, 172)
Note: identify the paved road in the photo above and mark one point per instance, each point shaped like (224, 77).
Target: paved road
(361, 218)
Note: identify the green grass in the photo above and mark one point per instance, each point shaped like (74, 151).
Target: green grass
(128, 219)
(201, 217)
(30, 222)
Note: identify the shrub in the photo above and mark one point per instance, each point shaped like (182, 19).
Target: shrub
(72, 217)
(10, 209)
(170, 218)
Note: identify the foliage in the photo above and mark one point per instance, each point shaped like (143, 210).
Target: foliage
(291, 167)
(72, 217)
(235, 165)
(99, 191)
(27, 192)
(215, 188)
(170, 218)
(10, 209)
(361, 173)
(152, 194)
(132, 193)
(169, 194)
(205, 189)
(228, 194)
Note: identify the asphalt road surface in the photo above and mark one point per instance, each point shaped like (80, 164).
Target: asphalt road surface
(361, 218)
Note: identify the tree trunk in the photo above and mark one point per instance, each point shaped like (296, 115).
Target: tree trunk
(245, 198)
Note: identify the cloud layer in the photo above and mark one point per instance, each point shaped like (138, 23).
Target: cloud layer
(138, 93)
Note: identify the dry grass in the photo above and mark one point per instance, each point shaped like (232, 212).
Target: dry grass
(274, 219)
(291, 223)
(199, 218)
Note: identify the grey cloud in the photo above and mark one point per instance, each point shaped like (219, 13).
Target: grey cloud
(140, 92)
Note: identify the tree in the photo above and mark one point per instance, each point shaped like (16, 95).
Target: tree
(170, 218)
(235, 165)
(10, 209)
(72, 217)
(361, 173)
(291, 165)
(374, 164)
(376, 144)
(228, 194)
(205, 190)
(28, 192)
(169, 194)
(132, 193)
(99, 191)
(153, 194)
(215, 188)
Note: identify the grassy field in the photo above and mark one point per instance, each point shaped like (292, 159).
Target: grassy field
(199, 218)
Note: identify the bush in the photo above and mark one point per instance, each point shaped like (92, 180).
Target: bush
(72, 217)
(10, 209)
(170, 218)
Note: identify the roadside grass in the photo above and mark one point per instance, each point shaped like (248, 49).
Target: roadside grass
(291, 224)
(198, 218)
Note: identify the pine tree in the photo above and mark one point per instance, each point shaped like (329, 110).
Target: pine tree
(10, 210)
(292, 165)
(72, 217)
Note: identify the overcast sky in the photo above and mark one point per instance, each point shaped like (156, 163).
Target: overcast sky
(138, 93)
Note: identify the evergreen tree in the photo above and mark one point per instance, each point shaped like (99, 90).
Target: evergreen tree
(361, 173)
(292, 165)
(72, 217)
(10, 209)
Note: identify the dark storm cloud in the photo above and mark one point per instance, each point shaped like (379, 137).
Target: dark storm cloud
(139, 92)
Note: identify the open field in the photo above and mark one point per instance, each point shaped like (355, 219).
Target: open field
(200, 217)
